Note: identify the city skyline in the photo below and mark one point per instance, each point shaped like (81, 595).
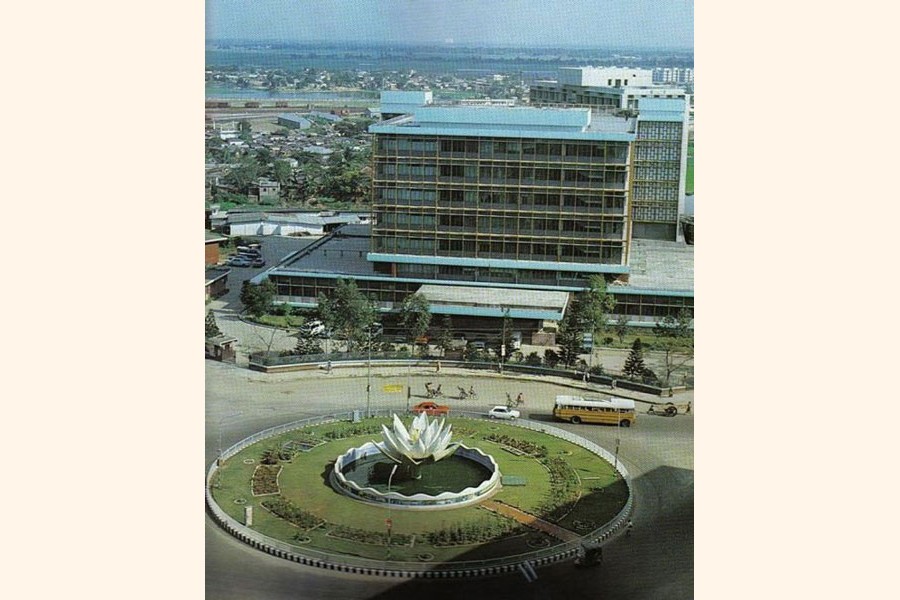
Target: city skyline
(577, 23)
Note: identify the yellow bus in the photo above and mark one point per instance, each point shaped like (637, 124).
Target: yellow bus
(575, 409)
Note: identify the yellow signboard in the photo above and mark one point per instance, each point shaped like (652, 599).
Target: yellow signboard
(393, 388)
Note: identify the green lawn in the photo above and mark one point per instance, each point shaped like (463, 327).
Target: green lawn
(304, 482)
(689, 179)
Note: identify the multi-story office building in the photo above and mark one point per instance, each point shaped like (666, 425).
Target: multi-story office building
(673, 75)
(513, 195)
(490, 211)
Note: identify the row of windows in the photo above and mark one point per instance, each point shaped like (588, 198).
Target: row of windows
(502, 174)
(310, 287)
(388, 290)
(609, 201)
(508, 149)
(600, 409)
(497, 224)
(516, 249)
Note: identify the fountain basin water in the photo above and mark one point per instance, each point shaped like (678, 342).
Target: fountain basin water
(358, 459)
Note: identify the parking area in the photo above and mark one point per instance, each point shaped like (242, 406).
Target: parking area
(273, 249)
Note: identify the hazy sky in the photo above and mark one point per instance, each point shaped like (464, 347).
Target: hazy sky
(648, 23)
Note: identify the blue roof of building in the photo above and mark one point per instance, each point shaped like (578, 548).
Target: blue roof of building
(492, 121)
(661, 109)
(397, 97)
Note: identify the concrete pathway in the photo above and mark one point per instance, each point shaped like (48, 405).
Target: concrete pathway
(530, 520)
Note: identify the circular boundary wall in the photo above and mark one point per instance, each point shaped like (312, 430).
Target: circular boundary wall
(364, 566)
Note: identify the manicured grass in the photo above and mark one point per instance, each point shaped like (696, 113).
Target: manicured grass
(689, 176)
(304, 481)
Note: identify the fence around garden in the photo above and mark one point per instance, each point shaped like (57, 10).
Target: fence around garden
(353, 564)
(277, 364)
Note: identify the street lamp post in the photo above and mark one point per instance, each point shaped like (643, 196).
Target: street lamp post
(369, 375)
(221, 421)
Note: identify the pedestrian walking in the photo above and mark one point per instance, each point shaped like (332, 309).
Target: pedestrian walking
(688, 409)
(520, 399)
(328, 367)
(612, 384)
(437, 369)
(629, 527)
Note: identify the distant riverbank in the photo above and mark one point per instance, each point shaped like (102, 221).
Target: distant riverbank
(235, 93)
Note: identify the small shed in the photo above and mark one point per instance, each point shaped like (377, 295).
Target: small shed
(221, 347)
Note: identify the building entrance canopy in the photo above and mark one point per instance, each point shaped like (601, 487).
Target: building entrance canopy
(495, 301)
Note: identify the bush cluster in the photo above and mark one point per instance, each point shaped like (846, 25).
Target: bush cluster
(369, 537)
(353, 430)
(564, 489)
(265, 480)
(485, 530)
(285, 509)
(529, 448)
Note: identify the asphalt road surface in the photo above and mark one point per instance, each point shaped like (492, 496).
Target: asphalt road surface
(656, 561)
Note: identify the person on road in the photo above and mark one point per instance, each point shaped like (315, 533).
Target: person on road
(520, 399)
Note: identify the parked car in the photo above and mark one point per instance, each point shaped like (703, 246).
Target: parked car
(257, 262)
(430, 408)
(237, 261)
(477, 345)
(502, 412)
(315, 327)
(516, 339)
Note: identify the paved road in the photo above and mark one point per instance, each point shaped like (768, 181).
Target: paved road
(656, 561)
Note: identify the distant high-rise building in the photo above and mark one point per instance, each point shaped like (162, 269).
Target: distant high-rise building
(600, 88)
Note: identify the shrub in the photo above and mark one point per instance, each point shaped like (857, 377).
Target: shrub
(533, 359)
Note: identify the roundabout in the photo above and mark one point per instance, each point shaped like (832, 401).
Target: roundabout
(497, 497)
(657, 452)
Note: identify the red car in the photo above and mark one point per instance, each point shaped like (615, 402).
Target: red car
(430, 408)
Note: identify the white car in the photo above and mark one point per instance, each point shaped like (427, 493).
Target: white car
(313, 328)
(502, 412)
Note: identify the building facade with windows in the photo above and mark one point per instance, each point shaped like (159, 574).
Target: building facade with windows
(601, 89)
(504, 195)
(491, 209)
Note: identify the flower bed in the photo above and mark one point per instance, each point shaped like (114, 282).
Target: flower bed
(265, 480)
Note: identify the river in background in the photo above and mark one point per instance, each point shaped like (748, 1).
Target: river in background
(234, 93)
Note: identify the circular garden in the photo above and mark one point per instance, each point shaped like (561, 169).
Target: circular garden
(285, 479)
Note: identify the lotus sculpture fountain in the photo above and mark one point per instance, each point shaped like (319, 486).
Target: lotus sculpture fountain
(422, 443)
(410, 479)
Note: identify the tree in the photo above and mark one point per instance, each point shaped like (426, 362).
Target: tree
(282, 172)
(570, 336)
(415, 316)
(212, 328)
(308, 345)
(676, 341)
(257, 299)
(445, 334)
(243, 175)
(596, 305)
(245, 128)
(634, 364)
(348, 312)
(621, 327)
